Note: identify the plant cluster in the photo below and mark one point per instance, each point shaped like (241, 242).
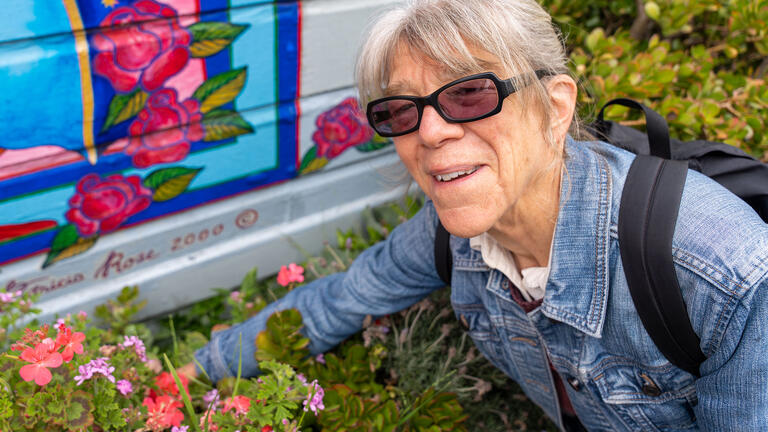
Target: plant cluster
(76, 377)
(702, 64)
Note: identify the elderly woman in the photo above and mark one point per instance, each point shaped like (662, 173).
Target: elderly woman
(477, 96)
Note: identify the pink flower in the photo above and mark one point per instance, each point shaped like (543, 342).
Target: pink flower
(103, 204)
(124, 387)
(241, 404)
(292, 273)
(82, 315)
(141, 44)
(72, 342)
(41, 357)
(164, 130)
(320, 358)
(339, 128)
(7, 297)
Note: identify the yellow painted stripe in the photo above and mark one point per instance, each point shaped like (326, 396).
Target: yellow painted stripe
(86, 86)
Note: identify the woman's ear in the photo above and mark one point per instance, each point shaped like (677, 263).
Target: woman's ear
(562, 92)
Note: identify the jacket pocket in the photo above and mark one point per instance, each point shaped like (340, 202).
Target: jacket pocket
(656, 399)
(475, 320)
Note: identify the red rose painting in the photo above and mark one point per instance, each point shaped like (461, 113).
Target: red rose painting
(102, 204)
(148, 53)
(163, 130)
(339, 128)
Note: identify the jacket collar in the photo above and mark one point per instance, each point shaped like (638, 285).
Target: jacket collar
(577, 290)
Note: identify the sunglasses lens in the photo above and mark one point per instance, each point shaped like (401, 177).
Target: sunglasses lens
(469, 99)
(394, 116)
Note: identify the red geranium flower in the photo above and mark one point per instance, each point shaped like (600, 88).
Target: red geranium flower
(292, 273)
(163, 130)
(241, 404)
(163, 412)
(339, 128)
(72, 343)
(41, 357)
(166, 384)
(102, 205)
(142, 44)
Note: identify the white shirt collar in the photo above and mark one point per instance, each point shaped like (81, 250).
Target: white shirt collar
(533, 280)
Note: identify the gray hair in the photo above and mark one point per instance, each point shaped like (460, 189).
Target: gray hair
(519, 33)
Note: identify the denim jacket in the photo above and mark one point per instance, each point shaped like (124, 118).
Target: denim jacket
(587, 325)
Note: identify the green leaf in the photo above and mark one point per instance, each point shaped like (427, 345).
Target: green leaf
(212, 37)
(170, 182)
(123, 107)
(223, 124)
(78, 411)
(221, 89)
(68, 243)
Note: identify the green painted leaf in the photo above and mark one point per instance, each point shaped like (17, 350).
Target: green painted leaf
(68, 243)
(223, 124)
(310, 162)
(221, 89)
(170, 182)
(123, 107)
(212, 37)
(376, 143)
(307, 159)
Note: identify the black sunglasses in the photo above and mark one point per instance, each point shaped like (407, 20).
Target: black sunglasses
(467, 99)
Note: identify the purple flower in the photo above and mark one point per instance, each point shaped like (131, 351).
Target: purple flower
(212, 397)
(314, 399)
(235, 296)
(320, 358)
(97, 366)
(180, 429)
(138, 346)
(124, 387)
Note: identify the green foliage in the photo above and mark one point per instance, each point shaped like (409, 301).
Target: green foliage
(18, 305)
(282, 340)
(117, 314)
(702, 64)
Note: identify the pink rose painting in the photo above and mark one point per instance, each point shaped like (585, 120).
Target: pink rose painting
(339, 128)
(142, 44)
(163, 130)
(102, 204)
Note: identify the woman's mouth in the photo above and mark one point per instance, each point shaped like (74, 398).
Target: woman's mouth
(450, 176)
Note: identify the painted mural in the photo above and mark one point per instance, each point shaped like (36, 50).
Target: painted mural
(119, 112)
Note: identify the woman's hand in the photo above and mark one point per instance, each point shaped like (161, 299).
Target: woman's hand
(189, 370)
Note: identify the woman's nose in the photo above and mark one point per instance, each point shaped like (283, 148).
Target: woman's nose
(435, 131)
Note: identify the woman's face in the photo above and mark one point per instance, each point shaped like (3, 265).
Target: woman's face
(504, 154)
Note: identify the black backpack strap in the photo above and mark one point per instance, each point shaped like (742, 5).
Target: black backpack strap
(655, 125)
(650, 203)
(443, 256)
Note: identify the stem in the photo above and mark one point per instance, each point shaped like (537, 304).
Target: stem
(173, 337)
(184, 394)
(239, 363)
(336, 257)
(12, 357)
